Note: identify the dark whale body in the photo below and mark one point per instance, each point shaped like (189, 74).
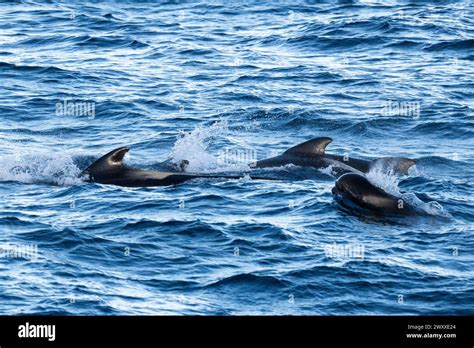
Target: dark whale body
(312, 154)
(356, 191)
(109, 169)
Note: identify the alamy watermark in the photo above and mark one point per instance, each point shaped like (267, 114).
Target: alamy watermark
(345, 251)
(68, 107)
(406, 109)
(19, 251)
(237, 156)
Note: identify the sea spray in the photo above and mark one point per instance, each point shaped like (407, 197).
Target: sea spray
(384, 179)
(193, 146)
(55, 168)
(387, 181)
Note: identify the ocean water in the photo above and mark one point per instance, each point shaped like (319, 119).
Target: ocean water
(221, 84)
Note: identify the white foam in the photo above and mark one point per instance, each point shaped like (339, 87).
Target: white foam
(194, 147)
(388, 181)
(431, 208)
(327, 170)
(384, 179)
(56, 168)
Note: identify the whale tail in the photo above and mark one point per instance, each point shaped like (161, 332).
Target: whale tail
(107, 164)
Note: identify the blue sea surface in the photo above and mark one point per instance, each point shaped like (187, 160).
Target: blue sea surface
(221, 83)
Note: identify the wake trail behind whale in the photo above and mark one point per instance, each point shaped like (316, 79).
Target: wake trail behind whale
(52, 168)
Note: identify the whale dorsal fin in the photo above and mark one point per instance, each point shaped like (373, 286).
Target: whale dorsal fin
(313, 146)
(107, 163)
(399, 165)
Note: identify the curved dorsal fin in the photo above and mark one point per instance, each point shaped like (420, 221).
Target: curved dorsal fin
(107, 163)
(313, 146)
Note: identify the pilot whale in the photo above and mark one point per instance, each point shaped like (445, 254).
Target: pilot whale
(356, 191)
(312, 153)
(109, 169)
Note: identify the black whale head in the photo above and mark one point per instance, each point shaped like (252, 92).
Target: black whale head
(355, 189)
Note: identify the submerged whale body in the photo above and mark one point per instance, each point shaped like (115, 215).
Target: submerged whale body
(356, 191)
(312, 153)
(109, 169)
